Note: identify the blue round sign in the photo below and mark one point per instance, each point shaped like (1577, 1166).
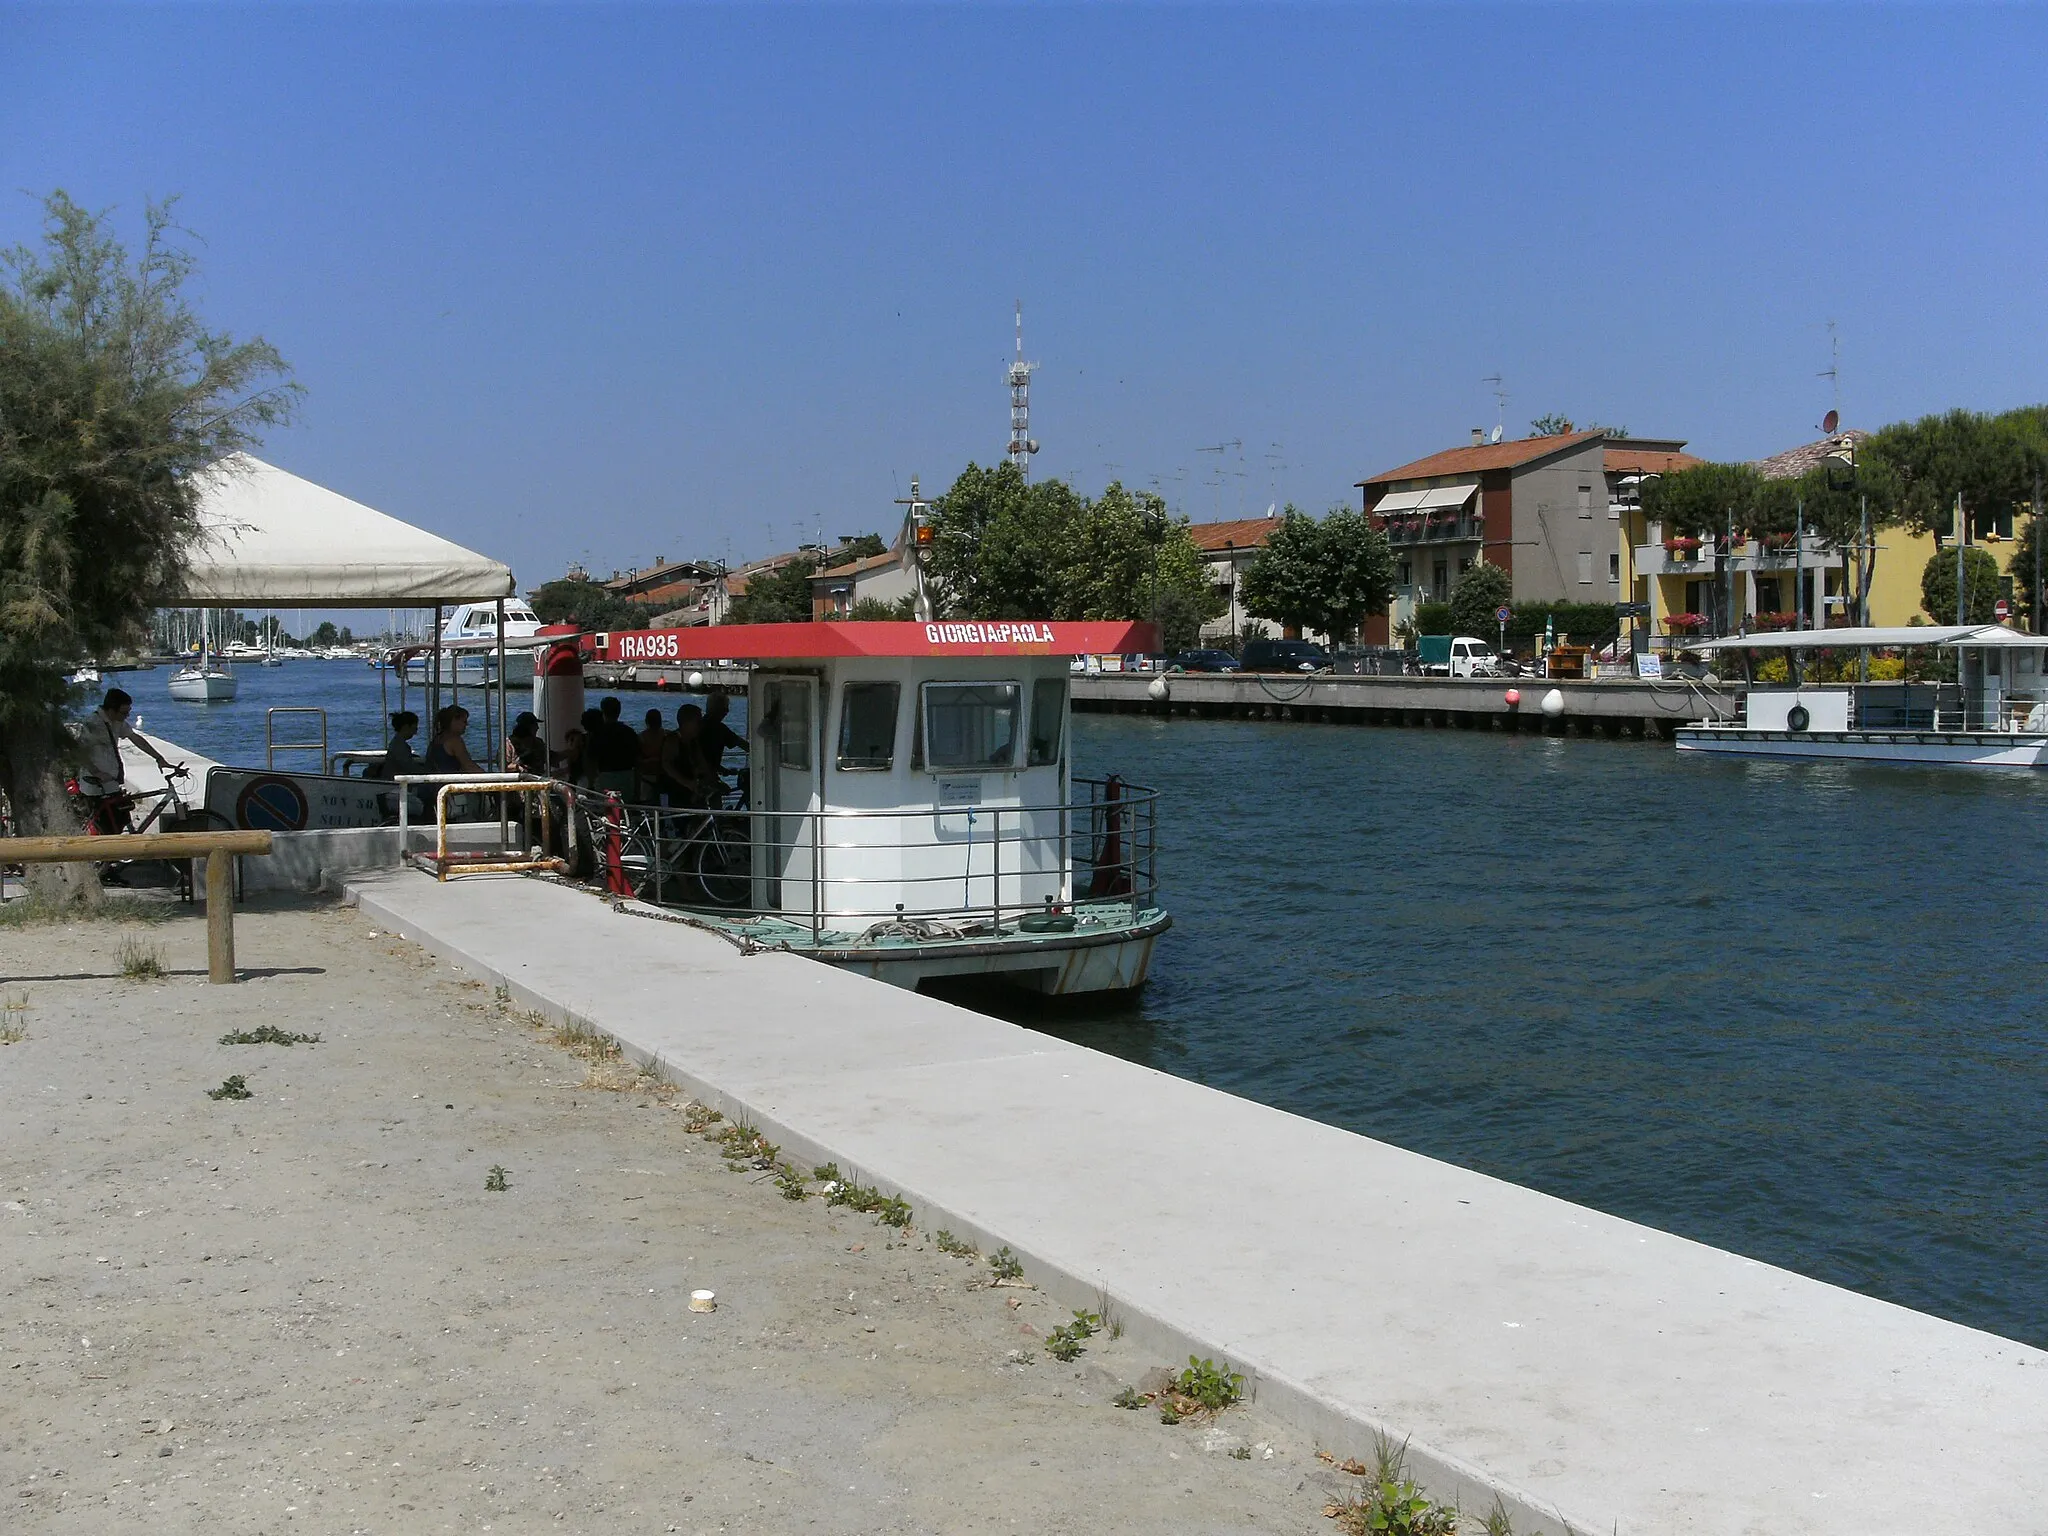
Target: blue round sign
(271, 804)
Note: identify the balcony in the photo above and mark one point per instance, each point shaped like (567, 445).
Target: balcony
(1656, 560)
(1757, 555)
(1458, 528)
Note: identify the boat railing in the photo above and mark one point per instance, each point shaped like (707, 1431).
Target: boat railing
(1931, 706)
(978, 868)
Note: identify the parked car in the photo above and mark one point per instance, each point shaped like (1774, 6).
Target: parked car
(1204, 661)
(1284, 656)
(1456, 656)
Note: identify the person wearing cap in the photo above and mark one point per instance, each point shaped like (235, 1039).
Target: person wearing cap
(103, 779)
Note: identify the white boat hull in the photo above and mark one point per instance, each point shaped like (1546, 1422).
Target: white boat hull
(192, 686)
(1055, 967)
(1958, 749)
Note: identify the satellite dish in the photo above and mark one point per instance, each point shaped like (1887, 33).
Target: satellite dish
(1494, 435)
(1829, 422)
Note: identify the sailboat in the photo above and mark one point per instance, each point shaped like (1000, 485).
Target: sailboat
(210, 682)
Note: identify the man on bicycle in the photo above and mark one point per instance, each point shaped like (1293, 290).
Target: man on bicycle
(102, 780)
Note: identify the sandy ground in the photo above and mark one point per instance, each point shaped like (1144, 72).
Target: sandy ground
(305, 1311)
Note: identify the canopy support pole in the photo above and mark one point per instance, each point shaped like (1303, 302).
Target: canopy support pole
(498, 741)
(434, 673)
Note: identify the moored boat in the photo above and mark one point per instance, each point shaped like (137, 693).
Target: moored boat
(1993, 715)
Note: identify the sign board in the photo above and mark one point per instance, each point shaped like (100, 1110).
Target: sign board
(1649, 664)
(822, 641)
(1503, 613)
(295, 802)
(1631, 610)
(2001, 610)
(960, 791)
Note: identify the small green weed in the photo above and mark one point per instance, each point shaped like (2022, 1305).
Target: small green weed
(826, 1173)
(1242, 1453)
(13, 1033)
(743, 1147)
(1006, 1264)
(699, 1118)
(1391, 1505)
(1067, 1341)
(1168, 1414)
(233, 1088)
(140, 961)
(946, 1242)
(498, 1180)
(1209, 1386)
(267, 1034)
(13, 1021)
(1130, 1397)
(1497, 1522)
(887, 1209)
(791, 1183)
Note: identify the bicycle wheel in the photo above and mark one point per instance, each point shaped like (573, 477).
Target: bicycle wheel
(724, 866)
(185, 871)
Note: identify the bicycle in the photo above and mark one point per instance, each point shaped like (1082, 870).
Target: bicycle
(667, 853)
(113, 815)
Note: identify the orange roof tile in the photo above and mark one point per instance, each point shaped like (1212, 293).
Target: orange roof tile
(1483, 456)
(1624, 460)
(1242, 533)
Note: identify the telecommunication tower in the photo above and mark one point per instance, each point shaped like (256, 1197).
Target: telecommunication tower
(1022, 445)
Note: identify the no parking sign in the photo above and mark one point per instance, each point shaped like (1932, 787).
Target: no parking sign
(271, 803)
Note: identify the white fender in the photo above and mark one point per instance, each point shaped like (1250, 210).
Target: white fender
(558, 690)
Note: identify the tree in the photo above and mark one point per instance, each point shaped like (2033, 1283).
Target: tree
(1323, 575)
(868, 610)
(114, 396)
(2023, 567)
(780, 596)
(1480, 594)
(865, 547)
(1938, 586)
(1552, 424)
(588, 605)
(1005, 548)
(1989, 461)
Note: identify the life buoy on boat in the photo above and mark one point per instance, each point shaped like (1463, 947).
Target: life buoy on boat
(1796, 718)
(558, 691)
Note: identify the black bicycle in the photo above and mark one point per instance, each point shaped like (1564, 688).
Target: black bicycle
(163, 810)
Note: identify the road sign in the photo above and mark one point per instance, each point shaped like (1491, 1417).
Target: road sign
(2001, 610)
(1503, 613)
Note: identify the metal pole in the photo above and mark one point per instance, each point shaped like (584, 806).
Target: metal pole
(1863, 553)
(995, 867)
(2036, 530)
(434, 673)
(498, 742)
(1960, 609)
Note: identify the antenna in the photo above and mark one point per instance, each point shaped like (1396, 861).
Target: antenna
(1833, 374)
(1500, 404)
(1022, 445)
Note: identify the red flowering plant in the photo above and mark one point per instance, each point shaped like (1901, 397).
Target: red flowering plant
(1681, 544)
(1685, 623)
(1764, 622)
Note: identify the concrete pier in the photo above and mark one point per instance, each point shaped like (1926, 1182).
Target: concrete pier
(1579, 1367)
(1613, 708)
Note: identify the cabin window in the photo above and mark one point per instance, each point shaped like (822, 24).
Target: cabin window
(867, 725)
(970, 725)
(787, 723)
(1048, 721)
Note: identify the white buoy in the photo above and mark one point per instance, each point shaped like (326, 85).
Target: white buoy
(1157, 689)
(696, 682)
(1553, 703)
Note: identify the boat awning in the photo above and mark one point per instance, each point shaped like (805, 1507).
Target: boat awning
(1896, 635)
(1436, 498)
(272, 539)
(828, 641)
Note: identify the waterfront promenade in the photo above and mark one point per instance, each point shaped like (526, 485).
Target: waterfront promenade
(1580, 1367)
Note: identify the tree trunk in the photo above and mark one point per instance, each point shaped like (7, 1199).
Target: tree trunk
(33, 781)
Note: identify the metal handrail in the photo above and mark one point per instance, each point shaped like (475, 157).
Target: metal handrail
(1118, 863)
(272, 746)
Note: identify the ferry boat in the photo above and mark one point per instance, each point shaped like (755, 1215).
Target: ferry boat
(912, 809)
(1995, 715)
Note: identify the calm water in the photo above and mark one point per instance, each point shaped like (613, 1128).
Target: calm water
(1796, 1011)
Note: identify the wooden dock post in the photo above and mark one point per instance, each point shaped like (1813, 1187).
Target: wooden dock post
(220, 917)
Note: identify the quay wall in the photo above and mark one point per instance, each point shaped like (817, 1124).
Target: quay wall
(1611, 708)
(1578, 1367)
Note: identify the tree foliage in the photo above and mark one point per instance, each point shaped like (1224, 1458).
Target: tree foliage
(1480, 593)
(1991, 462)
(588, 605)
(114, 395)
(1007, 548)
(1551, 424)
(1980, 581)
(780, 596)
(1325, 575)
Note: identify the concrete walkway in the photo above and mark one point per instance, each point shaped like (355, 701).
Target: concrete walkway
(1581, 1367)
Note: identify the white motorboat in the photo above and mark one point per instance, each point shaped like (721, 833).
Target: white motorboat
(87, 676)
(913, 811)
(1994, 715)
(468, 644)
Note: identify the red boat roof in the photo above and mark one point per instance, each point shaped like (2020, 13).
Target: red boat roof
(825, 641)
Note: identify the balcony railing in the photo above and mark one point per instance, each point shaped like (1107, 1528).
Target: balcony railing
(1656, 560)
(1428, 530)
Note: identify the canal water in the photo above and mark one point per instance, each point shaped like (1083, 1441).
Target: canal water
(1797, 1011)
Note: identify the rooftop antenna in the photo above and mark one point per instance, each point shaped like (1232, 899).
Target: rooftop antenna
(1500, 405)
(1022, 445)
(1833, 374)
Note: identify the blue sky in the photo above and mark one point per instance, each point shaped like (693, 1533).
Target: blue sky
(616, 282)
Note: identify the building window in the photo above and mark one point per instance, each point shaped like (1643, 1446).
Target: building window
(1585, 501)
(787, 723)
(867, 725)
(1614, 566)
(1440, 579)
(1586, 566)
(1404, 574)
(1048, 721)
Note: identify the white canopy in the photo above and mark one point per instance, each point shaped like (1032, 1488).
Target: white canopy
(1905, 634)
(272, 539)
(1434, 499)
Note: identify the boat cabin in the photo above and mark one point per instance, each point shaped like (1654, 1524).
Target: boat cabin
(903, 770)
